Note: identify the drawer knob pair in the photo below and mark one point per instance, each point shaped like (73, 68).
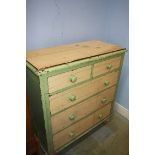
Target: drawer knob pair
(109, 66)
(71, 134)
(103, 100)
(72, 98)
(100, 116)
(73, 78)
(72, 117)
(106, 83)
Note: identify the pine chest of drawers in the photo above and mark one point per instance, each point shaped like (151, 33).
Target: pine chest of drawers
(71, 89)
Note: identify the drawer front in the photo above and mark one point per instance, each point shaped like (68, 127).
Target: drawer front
(102, 113)
(106, 66)
(70, 97)
(73, 114)
(107, 80)
(105, 97)
(72, 132)
(69, 78)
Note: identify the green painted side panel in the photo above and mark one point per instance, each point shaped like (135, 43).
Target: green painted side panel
(121, 64)
(46, 110)
(33, 69)
(36, 110)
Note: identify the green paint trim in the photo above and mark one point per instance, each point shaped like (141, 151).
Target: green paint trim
(83, 100)
(52, 71)
(83, 118)
(33, 69)
(46, 109)
(80, 83)
(82, 134)
(121, 65)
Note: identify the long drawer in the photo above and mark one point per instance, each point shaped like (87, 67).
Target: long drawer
(73, 114)
(75, 130)
(70, 97)
(69, 78)
(106, 66)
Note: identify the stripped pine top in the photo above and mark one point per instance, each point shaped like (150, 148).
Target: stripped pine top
(53, 56)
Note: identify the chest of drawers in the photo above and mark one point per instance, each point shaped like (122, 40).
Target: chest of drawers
(71, 89)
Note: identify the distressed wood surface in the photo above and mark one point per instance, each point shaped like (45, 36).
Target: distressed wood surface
(89, 98)
(48, 57)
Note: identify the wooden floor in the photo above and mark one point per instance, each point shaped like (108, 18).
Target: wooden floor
(110, 139)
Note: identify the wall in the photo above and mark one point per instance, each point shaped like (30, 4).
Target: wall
(55, 22)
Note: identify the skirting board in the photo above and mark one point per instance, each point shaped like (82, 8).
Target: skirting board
(120, 109)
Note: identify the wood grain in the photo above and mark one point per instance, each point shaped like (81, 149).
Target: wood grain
(48, 57)
(105, 111)
(60, 101)
(63, 80)
(64, 137)
(101, 68)
(61, 120)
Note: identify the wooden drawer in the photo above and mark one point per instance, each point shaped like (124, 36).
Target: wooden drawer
(107, 81)
(73, 114)
(62, 100)
(102, 113)
(69, 78)
(105, 97)
(72, 132)
(106, 66)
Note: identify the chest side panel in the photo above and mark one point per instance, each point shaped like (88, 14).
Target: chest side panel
(34, 95)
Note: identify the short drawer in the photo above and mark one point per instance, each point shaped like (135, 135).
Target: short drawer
(102, 113)
(106, 66)
(73, 114)
(69, 78)
(105, 97)
(70, 97)
(72, 132)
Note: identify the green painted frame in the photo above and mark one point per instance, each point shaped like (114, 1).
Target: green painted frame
(52, 71)
(121, 65)
(46, 109)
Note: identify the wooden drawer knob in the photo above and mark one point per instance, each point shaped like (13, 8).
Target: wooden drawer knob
(103, 100)
(71, 134)
(109, 66)
(106, 83)
(73, 78)
(72, 117)
(72, 98)
(100, 116)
